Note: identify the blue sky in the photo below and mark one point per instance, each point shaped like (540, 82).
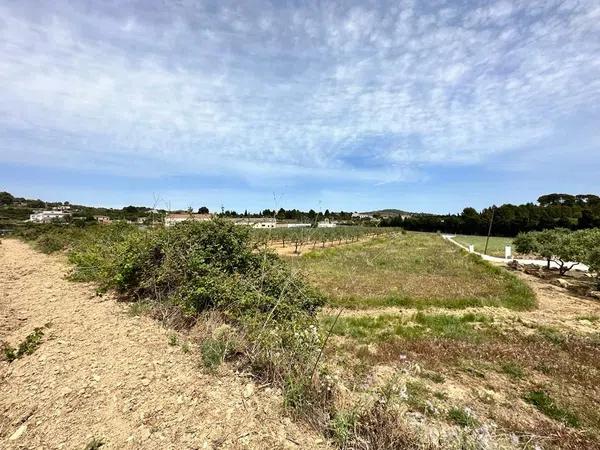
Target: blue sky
(417, 105)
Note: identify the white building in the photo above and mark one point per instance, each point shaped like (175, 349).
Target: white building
(256, 222)
(172, 219)
(357, 215)
(297, 225)
(103, 219)
(48, 216)
(326, 224)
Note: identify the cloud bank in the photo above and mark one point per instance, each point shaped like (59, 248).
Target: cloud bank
(371, 91)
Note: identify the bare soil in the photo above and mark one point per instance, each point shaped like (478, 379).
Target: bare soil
(100, 373)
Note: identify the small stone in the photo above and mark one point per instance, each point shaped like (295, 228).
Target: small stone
(248, 390)
(146, 433)
(17, 434)
(145, 381)
(96, 378)
(66, 391)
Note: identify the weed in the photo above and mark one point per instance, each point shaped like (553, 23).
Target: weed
(433, 376)
(417, 395)
(343, 426)
(383, 327)
(173, 339)
(545, 404)
(213, 352)
(139, 308)
(512, 369)
(462, 417)
(440, 395)
(552, 335)
(27, 347)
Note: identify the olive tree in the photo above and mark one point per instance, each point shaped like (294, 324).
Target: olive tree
(561, 246)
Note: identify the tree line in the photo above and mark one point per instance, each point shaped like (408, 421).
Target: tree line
(572, 212)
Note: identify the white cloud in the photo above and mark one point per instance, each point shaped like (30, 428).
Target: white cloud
(256, 90)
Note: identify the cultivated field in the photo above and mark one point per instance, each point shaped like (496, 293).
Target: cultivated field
(462, 351)
(495, 245)
(411, 270)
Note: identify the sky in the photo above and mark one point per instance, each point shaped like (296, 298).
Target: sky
(417, 105)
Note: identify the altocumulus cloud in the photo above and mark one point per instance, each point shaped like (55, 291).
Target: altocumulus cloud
(376, 91)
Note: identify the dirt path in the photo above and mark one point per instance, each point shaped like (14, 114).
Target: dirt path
(100, 373)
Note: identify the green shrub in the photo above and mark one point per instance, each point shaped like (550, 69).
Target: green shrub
(213, 353)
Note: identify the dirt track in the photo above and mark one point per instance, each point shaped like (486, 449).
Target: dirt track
(100, 373)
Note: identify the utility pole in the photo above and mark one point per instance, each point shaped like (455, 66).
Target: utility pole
(489, 230)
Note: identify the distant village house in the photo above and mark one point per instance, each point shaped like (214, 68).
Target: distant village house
(256, 222)
(357, 215)
(326, 224)
(49, 216)
(103, 219)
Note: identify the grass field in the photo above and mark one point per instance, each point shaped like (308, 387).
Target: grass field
(453, 346)
(495, 246)
(411, 270)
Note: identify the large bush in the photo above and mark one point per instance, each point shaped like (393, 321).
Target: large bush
(212, 266)
(198, 266)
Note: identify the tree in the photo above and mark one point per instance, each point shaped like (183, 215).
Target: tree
(203, 210)
(6, 198)
(588, 242)
(561, 246)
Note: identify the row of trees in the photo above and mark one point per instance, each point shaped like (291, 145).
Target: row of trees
(563, 247)
(552, 211)
(313, 237)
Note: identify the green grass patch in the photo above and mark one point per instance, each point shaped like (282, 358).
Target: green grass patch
(462, 417)
(495, 245)
(512, 369)
(384, 327)
(413, 270)
(552, 335)
(546, 405)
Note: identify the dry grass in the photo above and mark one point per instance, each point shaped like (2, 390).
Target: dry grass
(411, 270)
(472, 378)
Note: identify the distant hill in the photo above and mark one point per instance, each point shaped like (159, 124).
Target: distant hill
(389, 212)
